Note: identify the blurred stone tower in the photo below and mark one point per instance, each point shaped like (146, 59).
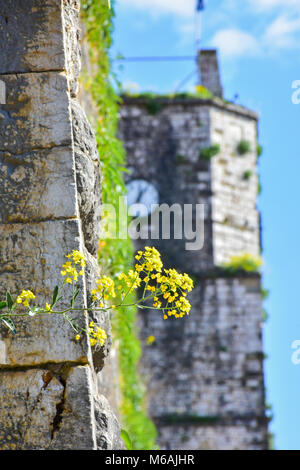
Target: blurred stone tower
(204, 373)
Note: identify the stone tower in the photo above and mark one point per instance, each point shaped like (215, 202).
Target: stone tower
(204, 373)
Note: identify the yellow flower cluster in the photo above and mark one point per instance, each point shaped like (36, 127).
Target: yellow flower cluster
(96, 335)
(132, 279)
(169, 286)
(25, 297)
(166, 287)
(175, 280)
(151, 260)
(69, 270)
(78, 257)
(105, 288)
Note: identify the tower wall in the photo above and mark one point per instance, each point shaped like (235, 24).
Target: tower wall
(234, 183)
(204, 373)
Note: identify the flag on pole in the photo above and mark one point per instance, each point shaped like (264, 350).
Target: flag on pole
(200, 5)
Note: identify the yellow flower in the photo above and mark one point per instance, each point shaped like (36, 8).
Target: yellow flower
(107, 285)
(24, 297)
(139, 267)
(48, 308)
(77, 337)
(69, 271)
(150, 340)
(132, 280)
(78, 257)
(96, 335)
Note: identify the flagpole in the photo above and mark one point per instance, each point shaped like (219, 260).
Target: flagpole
(198, 30)
(198, 33)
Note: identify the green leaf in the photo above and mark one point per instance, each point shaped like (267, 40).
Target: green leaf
(126, 439)
(90, 302)
(9, 300)
(55, 294)
(9, 324)
(74, 297)
(3, 305)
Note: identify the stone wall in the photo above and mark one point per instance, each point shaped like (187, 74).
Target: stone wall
(234, 186)
(50, 205)
(205, 372)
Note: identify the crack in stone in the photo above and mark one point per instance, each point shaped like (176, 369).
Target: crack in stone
(32, 72)
(38, 220)
(60, 407)
(52, 367)
(67, 146)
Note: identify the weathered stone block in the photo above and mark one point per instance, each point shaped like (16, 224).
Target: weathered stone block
(34, 184)
(235, 436)
(76, 426)
(48, 339)
(54, 409)
(36, 114)
(28, 408)
(31, 36)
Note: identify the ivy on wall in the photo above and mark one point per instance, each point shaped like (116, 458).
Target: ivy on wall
(115, 255)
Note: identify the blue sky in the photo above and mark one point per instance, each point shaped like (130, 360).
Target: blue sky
(259, 42)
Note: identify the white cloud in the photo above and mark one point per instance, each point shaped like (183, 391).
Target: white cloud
(275, 23)
(269, 4)
(185, 8)
(235, 43)
(281, 33)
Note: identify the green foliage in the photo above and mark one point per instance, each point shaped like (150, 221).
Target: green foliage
(116, 255)
(244, 262)
(126, 439)
(259, 150)
(269, 412)
(202, 93)
(271, 441)
(208, 153)
(180, 160)
(244, 147)
(259, 186)
(247, 175)
(189, 418)
(265, 315)
(264, 293)
(152, 102)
